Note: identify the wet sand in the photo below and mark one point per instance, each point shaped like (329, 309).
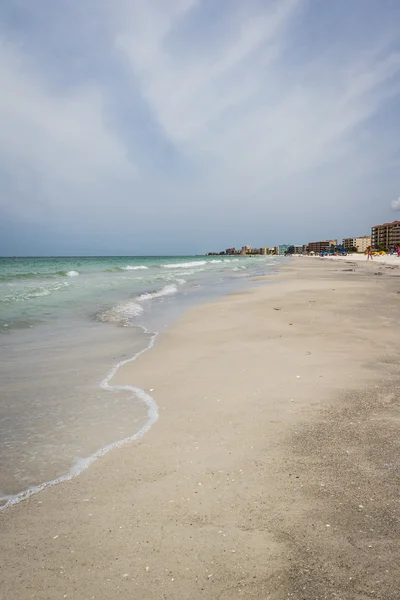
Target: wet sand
(272, 472)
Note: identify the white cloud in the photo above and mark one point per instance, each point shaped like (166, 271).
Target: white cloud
(241, 109)
(188, 96)
(56, 145)
(395, 204)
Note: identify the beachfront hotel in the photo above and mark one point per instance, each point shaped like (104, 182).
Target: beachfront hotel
(321, 246)
(385, 236)
(361, 243)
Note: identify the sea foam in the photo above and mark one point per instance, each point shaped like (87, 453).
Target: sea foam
(168, 290)
(185, 265)
(122, 314)
(134, 268)
(83, 463)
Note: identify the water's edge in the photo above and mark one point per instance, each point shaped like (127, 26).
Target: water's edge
(84, 463)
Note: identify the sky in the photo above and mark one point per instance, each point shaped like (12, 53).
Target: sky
(139, 127)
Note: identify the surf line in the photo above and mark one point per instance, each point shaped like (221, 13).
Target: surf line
(84, 463)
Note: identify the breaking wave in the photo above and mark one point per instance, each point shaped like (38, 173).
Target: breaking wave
(168, 290)
(124, 314)
(127, 268)
(133, 268)
(36, 275)
(185, 265)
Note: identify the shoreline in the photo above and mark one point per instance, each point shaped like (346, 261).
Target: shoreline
(218, 499)
(82, 464)
(61, 340)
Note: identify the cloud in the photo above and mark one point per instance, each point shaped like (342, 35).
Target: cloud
(395, 204)
(58, 148)
(243, 108)
(204, 122)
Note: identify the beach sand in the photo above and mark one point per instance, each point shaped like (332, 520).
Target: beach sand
(272, 472)
(386, 259)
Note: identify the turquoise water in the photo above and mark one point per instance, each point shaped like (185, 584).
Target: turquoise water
(37, 289)
(65, 323)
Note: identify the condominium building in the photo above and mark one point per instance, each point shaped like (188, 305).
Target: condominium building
(361, 243)
(284, 248)
(322, 246)
(385, 236)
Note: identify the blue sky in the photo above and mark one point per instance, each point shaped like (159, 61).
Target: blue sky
(181, 126)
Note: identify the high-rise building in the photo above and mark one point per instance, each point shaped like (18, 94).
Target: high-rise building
(361, 243)
(385, 236)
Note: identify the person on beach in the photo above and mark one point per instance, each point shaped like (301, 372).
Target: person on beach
(369, 254)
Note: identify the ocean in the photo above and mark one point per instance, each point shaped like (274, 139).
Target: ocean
(66, 324)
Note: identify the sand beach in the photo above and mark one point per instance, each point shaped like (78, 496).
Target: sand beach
(271, 473)
(384, 259)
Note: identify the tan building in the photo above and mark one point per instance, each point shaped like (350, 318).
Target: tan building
(361, 243)
(319, 247)
(385, 236)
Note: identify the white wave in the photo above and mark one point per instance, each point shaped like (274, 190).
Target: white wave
(72, 273)
(168, 290)
(213, 262)
(190, 272)
(180, 281)
(197, 263)
(122, 314)
(59, 286)
(133, 268)
(37, 294)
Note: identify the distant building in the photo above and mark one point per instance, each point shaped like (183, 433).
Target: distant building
(283, 248)
(385, 236)
(361, 243)
(276, 250)
(323, 246)
(298, 249)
